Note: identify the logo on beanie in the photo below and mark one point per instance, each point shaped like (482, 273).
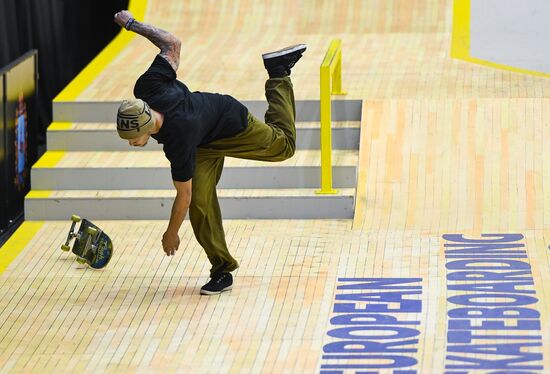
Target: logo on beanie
(131, 122)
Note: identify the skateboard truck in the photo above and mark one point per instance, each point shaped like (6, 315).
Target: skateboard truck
(72, 233)
(90, 244)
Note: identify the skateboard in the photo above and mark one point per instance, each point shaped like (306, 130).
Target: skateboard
(91, 246)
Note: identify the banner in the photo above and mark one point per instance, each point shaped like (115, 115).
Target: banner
(20, 131)
(3, 177)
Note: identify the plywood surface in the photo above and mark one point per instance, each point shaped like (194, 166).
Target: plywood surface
(446, 148)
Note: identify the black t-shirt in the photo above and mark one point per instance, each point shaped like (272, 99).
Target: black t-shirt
(191, 119)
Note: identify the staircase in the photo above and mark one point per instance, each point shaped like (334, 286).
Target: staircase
(88, 170)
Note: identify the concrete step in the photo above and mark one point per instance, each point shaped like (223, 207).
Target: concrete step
(157, 204)
(67, 136)
(151, 170)
(105, 111)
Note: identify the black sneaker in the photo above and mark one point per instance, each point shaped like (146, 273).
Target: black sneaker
(279, 63)
(218, 284)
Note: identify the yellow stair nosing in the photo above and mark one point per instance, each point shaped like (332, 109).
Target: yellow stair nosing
(50, 159)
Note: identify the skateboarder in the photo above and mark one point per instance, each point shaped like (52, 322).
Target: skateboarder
(198, 130)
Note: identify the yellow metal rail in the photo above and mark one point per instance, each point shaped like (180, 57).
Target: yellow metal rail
(331, 83)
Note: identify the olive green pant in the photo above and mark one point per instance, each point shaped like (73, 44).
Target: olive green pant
(272, 141)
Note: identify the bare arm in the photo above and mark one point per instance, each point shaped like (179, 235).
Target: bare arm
(168, 44)
(181, 204)
(170, 239)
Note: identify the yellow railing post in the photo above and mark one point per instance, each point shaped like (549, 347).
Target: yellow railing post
(331, 83)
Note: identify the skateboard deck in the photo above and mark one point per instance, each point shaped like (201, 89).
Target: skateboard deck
(92, 246)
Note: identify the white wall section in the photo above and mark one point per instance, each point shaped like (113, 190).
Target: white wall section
(512, 32)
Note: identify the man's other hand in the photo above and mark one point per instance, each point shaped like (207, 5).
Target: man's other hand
(122, 17)
(170, 243)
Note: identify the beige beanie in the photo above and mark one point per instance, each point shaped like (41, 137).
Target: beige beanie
(133, 119)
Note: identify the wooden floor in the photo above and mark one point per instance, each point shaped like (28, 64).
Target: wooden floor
(446, 148)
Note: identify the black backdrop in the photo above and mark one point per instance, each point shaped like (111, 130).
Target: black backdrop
(67, 34)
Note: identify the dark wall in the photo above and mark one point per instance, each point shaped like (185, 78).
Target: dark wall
(3, 170)
(67, 34)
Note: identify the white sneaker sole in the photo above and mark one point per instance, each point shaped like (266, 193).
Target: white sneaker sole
(205, 292)
(284, 51)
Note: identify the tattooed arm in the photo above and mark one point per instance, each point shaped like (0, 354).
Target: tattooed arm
(169, 45)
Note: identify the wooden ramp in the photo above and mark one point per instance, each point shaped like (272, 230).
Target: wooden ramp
(451, 219)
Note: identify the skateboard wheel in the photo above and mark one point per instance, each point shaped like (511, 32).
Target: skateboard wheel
(75, 218)
(80, 260)
(91, 230)
(66, 248)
